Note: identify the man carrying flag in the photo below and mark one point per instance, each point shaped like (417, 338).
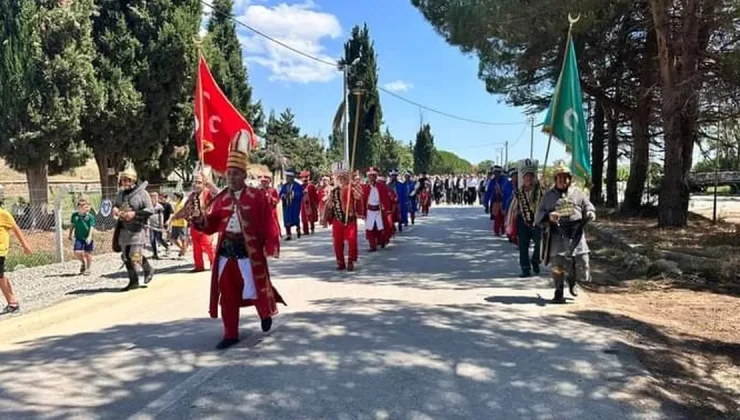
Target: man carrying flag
(565, 209)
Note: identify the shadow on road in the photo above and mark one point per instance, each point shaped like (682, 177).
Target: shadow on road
(362, 358)
(452, 249)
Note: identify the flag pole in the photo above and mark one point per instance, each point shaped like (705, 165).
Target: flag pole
(358, 93)
(571, 21)
(199, 87)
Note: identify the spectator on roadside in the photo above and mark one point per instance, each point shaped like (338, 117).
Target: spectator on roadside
(179, 226)
(8, 223)
(80, 233)
(156, 226)
(167, 213)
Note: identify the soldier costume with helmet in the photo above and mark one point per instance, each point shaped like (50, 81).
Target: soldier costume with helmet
(527, 194)
(132, 207)
(563, 213)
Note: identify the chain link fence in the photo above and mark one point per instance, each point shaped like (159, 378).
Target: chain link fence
(47, 227)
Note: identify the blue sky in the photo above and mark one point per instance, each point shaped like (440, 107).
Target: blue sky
(413, 60)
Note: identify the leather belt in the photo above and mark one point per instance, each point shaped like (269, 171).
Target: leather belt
(232, 246)
(373, 208)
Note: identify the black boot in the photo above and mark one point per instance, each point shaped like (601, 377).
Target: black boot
(133, 277)
(266, 324)
(572, 286)
(536, 268)
(525, 274)
(226, 343)
(559, 298)
(148, 270)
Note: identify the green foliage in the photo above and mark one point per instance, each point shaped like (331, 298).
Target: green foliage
(485, 166)
(281, 134)
(394, 154)
(55, 80)
(445, 162)
(111, 121)
(224, 55)
(424, 150)
(310, 155)
(370, 116)
(335, 153)
(166, 30)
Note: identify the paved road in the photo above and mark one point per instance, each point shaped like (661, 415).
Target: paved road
(437, 326)
(728, 207)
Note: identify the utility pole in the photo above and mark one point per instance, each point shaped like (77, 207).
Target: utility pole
(506, 160)
(531, 138)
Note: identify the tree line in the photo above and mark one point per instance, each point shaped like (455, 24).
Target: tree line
(114, 81)
(659, 75)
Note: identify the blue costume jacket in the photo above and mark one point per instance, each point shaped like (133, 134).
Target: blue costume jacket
(507, 191)
(403, 201)
(291, 205)
(412, 205)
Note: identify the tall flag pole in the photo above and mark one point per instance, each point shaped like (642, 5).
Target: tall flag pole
(199, 91)
(565, 120)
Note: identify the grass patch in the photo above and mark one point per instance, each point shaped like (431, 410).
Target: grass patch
(36, 259)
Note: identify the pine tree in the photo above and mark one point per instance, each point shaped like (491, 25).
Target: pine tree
(370, 116)
(424, 150)
(111, 123)
(46, 80)
(224, 54)
(282, 133)
(166, 30)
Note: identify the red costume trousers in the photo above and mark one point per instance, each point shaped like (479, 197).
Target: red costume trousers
(307, 223)
(498, 223)
(231, 286)
(201, 243)
(340, 233)
(375, 237)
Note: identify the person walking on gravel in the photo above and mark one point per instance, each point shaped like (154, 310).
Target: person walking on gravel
(132, 207)
(8, 223)
(83, 222)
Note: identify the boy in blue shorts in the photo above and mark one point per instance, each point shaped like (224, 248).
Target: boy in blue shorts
(82, 226)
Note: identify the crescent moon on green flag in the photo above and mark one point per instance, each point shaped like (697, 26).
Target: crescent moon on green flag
(570, 113)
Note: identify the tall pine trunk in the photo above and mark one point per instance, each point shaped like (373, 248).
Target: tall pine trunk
(109, 165)
(597, 155)
(38, 192)
(612, 199)
(640, 160)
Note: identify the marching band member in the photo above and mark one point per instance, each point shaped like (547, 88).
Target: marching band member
(377, 203)
(401, 193)
(323, 194)
(495, 199)
(309, 204)
(523, 207)
(343, 207)
(242, 217)
(413, 199)
(291, 194)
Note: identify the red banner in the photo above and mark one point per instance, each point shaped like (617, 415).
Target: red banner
(216, 121)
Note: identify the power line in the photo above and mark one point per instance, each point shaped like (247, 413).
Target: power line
(336, 65)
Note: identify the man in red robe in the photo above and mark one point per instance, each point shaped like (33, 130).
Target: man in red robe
(377, 204)
(272, 197)
(243, 218)
(343, 207)
(323, 193)
(309, 203)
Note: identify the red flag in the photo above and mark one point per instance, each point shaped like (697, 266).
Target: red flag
(216, 121)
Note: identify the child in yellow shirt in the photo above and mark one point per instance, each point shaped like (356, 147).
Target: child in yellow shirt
(7, 222)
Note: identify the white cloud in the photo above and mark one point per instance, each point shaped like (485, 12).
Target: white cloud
(398, 86)
(300, 26)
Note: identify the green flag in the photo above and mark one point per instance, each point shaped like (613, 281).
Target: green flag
(565, 117)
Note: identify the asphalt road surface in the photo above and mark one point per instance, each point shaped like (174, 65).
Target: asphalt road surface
(437, 326)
